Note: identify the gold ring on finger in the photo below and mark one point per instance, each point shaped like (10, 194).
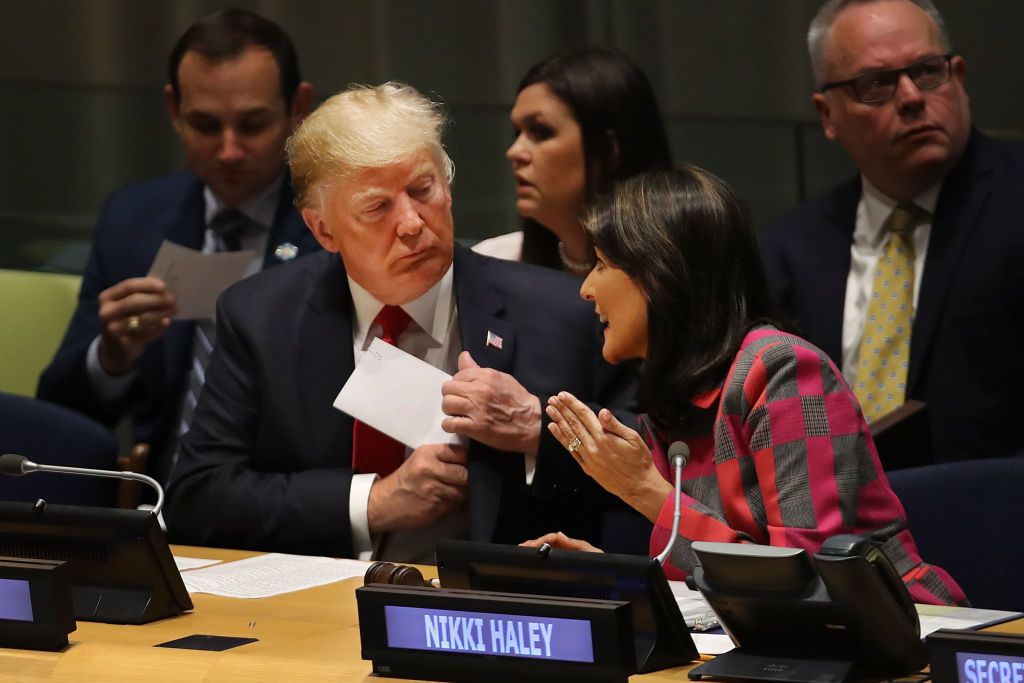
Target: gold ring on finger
(134, 323)
(575, 444)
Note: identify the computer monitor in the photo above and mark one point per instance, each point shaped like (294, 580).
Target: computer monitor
(122, 571)
(660, 635)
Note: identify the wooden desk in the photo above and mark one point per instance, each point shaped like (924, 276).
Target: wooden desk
(306, 635)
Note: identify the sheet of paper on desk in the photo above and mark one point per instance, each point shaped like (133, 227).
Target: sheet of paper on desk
(397, 394)
(197, 279)
(696, 612)
(272, 574)
(934, 617)
(698, 616)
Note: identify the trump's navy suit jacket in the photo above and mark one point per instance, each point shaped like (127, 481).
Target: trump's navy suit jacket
(133, 223)
(968, 332)
(267, 462)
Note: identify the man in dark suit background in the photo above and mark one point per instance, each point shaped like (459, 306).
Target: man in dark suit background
(893, 95)
(270, 464)
(234, 95)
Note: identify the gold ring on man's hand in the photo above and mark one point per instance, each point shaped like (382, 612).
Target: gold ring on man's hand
(134, 323)
(575, 444)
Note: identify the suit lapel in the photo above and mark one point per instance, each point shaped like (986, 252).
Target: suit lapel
(289, 237)
(190, 226)
(188, 231)
(485, 334)
(491, 341)
(832, 246)
(327, 324)
(964, 193)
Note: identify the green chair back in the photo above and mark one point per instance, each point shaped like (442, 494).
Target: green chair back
(34, 312)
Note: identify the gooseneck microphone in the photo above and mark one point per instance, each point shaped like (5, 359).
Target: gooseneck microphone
(17, 465)
(678, 455)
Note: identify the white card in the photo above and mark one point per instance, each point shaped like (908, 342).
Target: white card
(197, 279)
(397, 394)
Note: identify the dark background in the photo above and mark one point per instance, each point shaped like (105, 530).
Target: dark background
(80, 91)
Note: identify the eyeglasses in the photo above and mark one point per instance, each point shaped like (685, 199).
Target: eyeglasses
(875, 87)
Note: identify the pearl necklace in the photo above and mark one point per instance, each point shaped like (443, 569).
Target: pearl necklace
(578, 267)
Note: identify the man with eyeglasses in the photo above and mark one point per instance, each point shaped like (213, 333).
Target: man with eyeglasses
(910, 274)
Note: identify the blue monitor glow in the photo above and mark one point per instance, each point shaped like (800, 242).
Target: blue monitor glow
(489, 633)
(15, 600)
(978, 667)
(967, 656)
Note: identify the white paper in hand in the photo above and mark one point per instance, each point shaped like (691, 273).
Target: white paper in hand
(197, 279)
(397, 394)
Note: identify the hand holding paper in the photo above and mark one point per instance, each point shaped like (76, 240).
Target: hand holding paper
(397, 394)
(430, 483)
(197, 279)
(400, 395)
(133, 313)
(491, 407)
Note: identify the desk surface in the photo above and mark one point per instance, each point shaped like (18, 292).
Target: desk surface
(310, 634)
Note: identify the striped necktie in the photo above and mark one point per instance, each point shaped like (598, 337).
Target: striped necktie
(371, 450)
(228, 227)
(881, 378)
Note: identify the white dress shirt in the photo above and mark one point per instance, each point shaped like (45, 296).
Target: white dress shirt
(868, 243)
(508, 246)
(432, 336)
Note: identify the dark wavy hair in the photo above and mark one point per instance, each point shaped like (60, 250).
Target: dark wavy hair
(614, 105)
(688, 242)
(226, 34)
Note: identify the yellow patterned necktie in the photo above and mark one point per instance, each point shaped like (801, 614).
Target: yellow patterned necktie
(881, 378)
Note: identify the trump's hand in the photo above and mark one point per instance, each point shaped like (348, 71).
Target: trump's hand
(431, 482)
(491, 407)
(562, 542)
(610, 452)
(133, 313)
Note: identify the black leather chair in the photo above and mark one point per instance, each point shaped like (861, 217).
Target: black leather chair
(53, 435)
(966, 518)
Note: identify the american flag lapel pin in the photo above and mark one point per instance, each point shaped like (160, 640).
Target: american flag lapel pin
(493, 340)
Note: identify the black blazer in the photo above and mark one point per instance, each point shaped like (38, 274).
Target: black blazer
(267, 462)
(968, 332)
(133, 223)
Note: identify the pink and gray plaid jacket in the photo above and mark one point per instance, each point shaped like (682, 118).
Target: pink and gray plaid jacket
(784, 457)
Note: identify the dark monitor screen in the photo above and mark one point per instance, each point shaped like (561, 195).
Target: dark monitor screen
(660, 634)
(122, 571)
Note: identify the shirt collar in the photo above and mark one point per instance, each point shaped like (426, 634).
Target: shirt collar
(431, 311)
(878, 206)
(261, 207)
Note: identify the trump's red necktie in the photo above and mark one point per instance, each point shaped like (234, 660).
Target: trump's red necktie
(371, 450)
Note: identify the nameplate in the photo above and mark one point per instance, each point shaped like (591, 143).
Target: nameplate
(976, 657)
(457, 635)
(35, 604)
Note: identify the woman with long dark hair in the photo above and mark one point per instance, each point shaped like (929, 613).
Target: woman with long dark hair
(581, 121)
(780, 453)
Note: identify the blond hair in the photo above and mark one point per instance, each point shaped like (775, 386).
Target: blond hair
(364, 127)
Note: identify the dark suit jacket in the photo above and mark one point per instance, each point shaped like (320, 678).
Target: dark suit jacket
(267, 462)
(133, 223)
(969, 326)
